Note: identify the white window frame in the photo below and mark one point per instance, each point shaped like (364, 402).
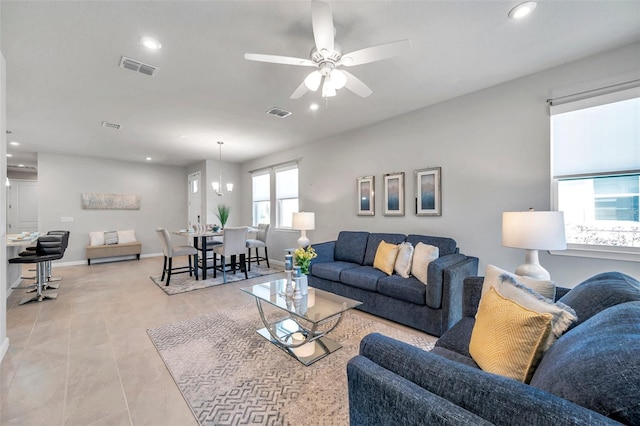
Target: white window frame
(585, 250)
(255, 220)
(281, 221)
(275, 208)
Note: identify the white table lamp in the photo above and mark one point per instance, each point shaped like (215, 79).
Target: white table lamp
(533, 231)
(303, 222)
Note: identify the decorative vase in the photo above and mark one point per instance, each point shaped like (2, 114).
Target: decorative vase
(304, 284)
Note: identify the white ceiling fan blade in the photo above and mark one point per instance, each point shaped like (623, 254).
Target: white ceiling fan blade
(322, 21)
(301, 90)
(375, 53)
(356, 85)
(275, 59)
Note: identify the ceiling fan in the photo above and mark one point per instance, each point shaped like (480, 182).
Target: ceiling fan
(327, 57)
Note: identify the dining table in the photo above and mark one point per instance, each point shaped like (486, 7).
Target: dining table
(200, 242)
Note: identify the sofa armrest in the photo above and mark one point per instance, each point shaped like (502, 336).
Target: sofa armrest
(471, 295)
(494, 398)
(453, 290)
(324, 252)
(379, 397)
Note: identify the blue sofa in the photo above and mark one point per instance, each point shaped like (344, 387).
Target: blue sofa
(345, 267)
(590, 376)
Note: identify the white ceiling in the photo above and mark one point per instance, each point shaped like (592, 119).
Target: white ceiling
(63, 77)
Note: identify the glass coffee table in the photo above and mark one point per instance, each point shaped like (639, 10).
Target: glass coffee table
(302, 327)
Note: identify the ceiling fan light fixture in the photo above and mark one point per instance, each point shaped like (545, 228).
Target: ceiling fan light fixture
(313, 81)
(328, 89)
(338, 78)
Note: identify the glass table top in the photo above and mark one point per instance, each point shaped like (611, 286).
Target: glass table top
(315, 307)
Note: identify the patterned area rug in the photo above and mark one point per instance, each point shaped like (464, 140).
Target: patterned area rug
(230, 375)
(182, 283)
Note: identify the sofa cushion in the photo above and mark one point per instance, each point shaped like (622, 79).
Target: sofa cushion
(331, 270)
(407, 289)
(507, 338)
(601, 292)
(350, 246)
(545, 288)
(445, 245)
(365, 277)
(404, 260)
(596, 365)
(374, 240)
(423, 255)
(457, 338)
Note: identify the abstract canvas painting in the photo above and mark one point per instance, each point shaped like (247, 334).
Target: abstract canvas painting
(366, 193)
(428, 192)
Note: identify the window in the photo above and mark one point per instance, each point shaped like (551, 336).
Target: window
(275, 191)
(595, 146)
(260, 189)
(286, 195)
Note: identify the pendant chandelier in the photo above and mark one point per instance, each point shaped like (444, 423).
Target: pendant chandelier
(217, 186)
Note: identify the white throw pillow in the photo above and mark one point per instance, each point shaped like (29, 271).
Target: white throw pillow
(423, 254)
(127, 236)
(508, 286)
(96, 238)
(544, 287)
(403, 261)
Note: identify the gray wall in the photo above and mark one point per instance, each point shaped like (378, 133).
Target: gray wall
(493, 147)
(61, 180)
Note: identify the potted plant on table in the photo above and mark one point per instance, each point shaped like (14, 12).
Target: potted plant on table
(303, 258)
(223, 214)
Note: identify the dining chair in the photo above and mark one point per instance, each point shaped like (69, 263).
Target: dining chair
(259, 242)
(233, 244)
(170, 251)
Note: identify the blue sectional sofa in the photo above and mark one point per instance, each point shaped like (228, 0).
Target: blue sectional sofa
(589, 376)
(345, 267)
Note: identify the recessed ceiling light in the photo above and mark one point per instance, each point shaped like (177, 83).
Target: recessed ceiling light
(148, 158)
(14, 143)
(150, 43)
(313, 107)
(9, 155)
(20, 165)
(182, 136)
(522, 10)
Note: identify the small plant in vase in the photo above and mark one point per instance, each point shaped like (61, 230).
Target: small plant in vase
(303, 258)
(223, 214)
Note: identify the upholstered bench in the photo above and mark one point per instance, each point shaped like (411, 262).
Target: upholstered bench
(112, 244)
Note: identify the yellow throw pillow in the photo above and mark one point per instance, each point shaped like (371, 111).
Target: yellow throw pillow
(423, 255)
(508, 339)
(509, 285)
(385, 257)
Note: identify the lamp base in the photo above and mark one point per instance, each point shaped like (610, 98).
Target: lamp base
(303, 241)
(532, 268)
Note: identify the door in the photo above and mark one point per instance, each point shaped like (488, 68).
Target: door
(195, 199)
(22, 211)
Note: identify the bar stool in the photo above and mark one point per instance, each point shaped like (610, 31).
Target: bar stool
(30, 250)
(259, 242)
(48, 248)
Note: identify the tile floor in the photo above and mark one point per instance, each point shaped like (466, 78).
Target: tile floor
(85, 358)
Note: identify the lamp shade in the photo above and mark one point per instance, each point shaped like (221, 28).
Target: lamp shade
(534, 230)
(304, 221)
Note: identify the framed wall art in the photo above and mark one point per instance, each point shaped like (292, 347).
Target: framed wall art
(394, 194)
(96, 201)
(428, 192)
(366, 195)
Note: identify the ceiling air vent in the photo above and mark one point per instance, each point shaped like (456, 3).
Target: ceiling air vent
(111, 125)
(279, 112)
(133, 65)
